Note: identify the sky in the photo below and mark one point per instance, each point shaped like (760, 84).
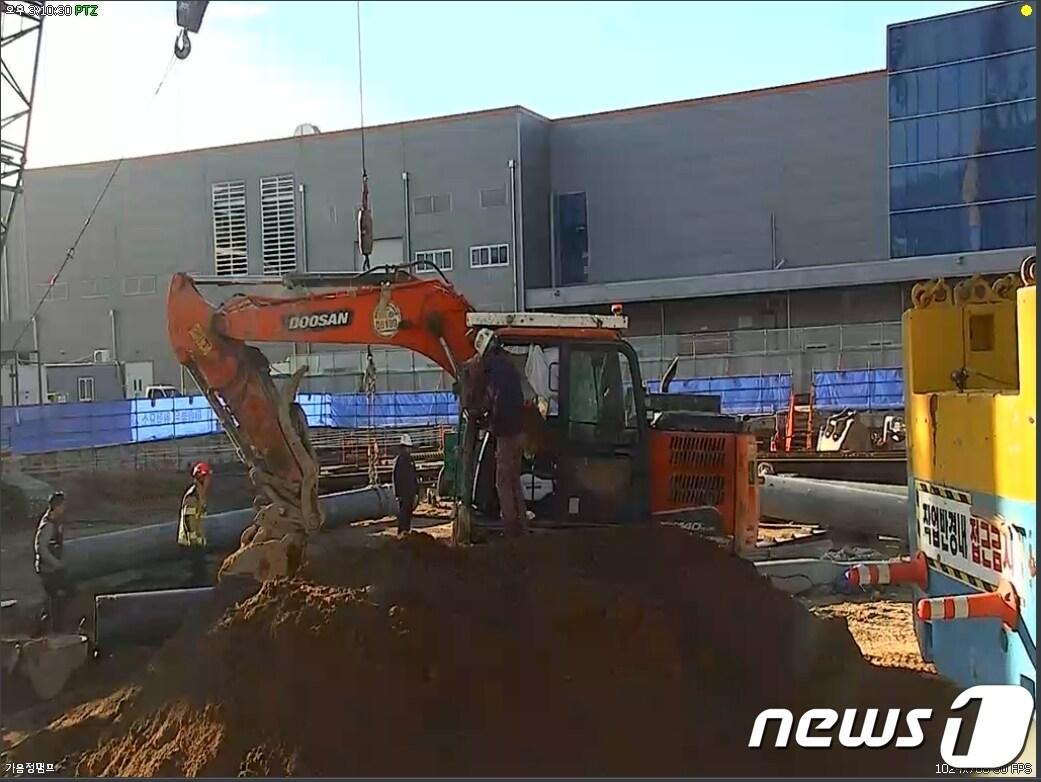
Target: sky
(259, 69)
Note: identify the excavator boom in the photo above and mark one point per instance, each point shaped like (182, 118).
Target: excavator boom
(267, 427)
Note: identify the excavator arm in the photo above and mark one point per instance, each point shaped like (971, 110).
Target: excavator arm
(382, 307)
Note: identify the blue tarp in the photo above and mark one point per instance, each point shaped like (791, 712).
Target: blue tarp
(164, 419)
(859, 389)
(421, 408)
(36, 428)
(740, 394)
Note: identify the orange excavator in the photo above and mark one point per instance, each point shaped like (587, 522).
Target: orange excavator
(604, 450)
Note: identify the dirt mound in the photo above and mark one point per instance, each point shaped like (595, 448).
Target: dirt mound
(613, 652)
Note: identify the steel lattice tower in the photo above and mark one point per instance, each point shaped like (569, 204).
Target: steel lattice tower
(21, 30)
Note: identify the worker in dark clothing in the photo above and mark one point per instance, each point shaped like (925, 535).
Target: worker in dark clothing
(406, 484)
(507, 403)
(191, 535)
(49, 566)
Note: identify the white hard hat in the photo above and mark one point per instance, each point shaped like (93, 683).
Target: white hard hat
(483, 340)
(406, 441)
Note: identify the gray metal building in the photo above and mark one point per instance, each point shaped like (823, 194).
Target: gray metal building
(760, 224)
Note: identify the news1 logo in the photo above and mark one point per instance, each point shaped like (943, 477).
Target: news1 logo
(999, 735)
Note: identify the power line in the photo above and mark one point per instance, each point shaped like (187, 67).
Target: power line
(71, 252)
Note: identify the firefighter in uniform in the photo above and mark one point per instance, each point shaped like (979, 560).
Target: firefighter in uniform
(191, 536)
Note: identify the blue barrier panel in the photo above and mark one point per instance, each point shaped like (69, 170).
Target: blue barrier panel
(36, 428)
(740, 394)
(165, 419)
(317, 408)
(420, 408)
(859, 389)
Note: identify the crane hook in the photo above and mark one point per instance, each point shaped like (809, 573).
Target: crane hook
(182, 45)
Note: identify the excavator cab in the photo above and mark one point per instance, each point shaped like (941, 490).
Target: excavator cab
(586, 430)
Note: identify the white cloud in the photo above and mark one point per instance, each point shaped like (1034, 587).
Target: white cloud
(96, 80)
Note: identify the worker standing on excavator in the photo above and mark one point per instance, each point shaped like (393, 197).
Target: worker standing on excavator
(48, 547)
(507, 406)
(191, 536)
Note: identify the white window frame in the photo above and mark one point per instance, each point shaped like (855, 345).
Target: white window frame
(431, 256)
(230, 228)
(432, 199)
(85, 383)
(57, 292)
(141, 288)
(488, 248)
(97, 288)
(505, 197)
(278, 224)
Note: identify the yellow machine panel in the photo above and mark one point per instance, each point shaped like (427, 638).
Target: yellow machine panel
(971, 387)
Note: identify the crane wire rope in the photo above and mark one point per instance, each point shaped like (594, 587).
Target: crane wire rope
(361, 94)
(71, 252)
(365, 213)
(364, 220)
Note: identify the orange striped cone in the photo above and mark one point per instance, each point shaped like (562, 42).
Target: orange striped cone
(1003, 605)
(896, 571)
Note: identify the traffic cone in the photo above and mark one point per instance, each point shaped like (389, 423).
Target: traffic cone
(896, 571)
(1002, 604)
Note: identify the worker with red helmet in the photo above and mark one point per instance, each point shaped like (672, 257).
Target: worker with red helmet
(191, 536)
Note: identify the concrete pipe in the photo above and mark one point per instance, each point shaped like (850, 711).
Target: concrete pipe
(887, 488)
(98, 555)
(148, 618)
(835, 507)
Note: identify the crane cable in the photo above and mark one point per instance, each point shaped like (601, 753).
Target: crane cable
(365, 248)
(71, 252)
(365, 213)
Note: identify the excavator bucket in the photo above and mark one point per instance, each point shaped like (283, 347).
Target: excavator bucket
(265, 559)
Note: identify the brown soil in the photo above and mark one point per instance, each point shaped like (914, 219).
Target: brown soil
(611, 652)
(882, 627)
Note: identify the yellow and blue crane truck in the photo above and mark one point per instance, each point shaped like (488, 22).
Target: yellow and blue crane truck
(971, 393)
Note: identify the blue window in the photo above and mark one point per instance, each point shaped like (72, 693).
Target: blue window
(964, 85)
(947, 136)
(970, 83)
(962, 132)
(972, 132)
(928, 90)
(991, 30)
(964, 228)
(964, 181)
(573, 238)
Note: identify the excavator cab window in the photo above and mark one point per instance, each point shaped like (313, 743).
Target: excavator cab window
(602, 471)
(600, 410)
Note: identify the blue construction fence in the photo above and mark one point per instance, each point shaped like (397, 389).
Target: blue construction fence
(739, 395)
(859, 389)
(40, 428)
